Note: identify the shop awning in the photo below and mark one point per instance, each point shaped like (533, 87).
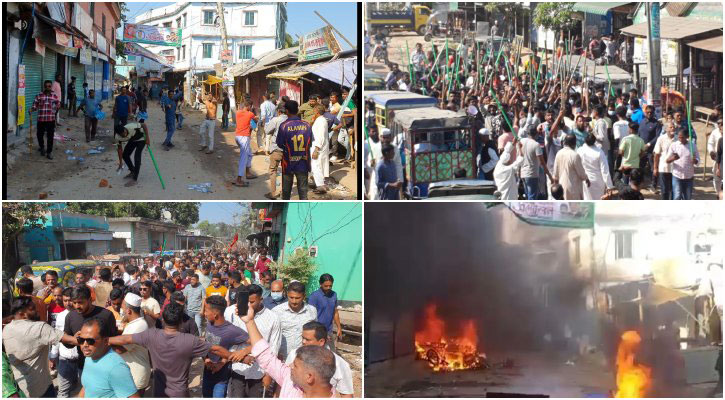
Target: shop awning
(293, 74)
(713, 44)
(597, 8)
(212, 80)
(675, 28)
(342, 71)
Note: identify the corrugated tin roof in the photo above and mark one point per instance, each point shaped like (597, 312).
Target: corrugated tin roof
(678, 9)
(711, 44)
(597, 8)
(266, 61)
(675, 27)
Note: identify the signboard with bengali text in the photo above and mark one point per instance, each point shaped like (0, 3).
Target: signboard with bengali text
(320, 43)
(21, 94)
(149, 34)
(555, 214)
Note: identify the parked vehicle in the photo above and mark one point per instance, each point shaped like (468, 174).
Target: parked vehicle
(409, 19)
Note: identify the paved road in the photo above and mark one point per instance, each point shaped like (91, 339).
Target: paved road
(63, 179)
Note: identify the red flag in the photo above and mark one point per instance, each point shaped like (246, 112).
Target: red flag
(236, 237)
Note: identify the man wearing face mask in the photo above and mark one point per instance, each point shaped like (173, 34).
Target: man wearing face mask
(27, 341)
(276, 295)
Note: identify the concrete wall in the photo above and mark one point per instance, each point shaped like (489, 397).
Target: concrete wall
(339, 247)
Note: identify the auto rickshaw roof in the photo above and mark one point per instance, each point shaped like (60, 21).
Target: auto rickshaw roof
(430, 118)
(391, 97)
(61, 266)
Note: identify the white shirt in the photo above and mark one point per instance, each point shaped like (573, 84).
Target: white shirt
(137, 357)
(341, 381)
(487, 167)
(712, 144)
(662, 146)
(620, 129)
(268, 325)
(291, 325)
(64, 352)
(505, 175)
(600, 132)
(597, 169)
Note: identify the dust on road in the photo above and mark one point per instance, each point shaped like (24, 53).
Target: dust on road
(29, 176)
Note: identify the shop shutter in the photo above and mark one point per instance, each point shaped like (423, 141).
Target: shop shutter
(78, 70)
(33, 78)
(50, 65)
(98, 78)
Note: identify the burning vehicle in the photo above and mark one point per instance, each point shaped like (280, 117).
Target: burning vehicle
(444, 352)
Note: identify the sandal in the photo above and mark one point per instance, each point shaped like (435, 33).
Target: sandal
(242, 184)
(251, 177)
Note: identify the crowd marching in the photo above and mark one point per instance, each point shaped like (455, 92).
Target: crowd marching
(543, 127)
(135, 328)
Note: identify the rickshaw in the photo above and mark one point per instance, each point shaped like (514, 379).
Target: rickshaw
(65, 269)
(390, 100)
(437, 144)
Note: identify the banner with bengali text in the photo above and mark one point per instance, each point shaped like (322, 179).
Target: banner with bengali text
(149, 34)
(556, 214)
(318, 44)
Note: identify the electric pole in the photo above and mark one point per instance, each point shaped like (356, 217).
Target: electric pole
(654, 66)
(225, 47)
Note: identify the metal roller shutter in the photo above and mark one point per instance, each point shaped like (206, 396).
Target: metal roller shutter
(33, 78)
(79, 72)
(50, 65)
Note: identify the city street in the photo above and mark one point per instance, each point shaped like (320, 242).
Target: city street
(29, 176)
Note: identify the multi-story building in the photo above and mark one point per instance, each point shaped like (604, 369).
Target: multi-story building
(252, 30)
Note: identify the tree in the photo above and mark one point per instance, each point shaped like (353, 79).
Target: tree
(17, 219)
(554, 16)
(184, 214)
(120, 45)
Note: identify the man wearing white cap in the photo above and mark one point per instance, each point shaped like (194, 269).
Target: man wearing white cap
(135, 356)
(505, 172)
(487, 158)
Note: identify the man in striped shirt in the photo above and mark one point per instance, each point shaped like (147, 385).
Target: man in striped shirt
(292, 316)
(47, 105)
(248, 379)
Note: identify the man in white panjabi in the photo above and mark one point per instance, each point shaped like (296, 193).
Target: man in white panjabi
(320, 150)
(596, 167)
(504, 174)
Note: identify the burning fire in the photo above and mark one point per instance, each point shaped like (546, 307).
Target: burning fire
(633, 380)
(444, 352)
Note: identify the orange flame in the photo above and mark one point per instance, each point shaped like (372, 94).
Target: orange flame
(444, 352)
(633, 380)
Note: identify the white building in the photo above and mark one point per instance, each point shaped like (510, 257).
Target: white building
(252, 30)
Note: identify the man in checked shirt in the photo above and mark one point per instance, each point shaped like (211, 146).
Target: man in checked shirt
(47, 104)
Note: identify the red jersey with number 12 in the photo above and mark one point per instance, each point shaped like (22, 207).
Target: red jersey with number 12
(294, 137)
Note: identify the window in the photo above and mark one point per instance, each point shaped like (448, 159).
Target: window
(92, 11)
(183, 52)
(206, 50)
(208, 18)
(245, 51)
(167, 24)
(178, 53)
(184, 16)
(249, 18)
(623, 244)
(178, 22)
(103, 24)
(131, 58)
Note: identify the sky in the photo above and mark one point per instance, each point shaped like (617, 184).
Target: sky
(300, 17)
(218, 211)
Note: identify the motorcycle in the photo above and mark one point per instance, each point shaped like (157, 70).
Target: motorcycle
(380, 52)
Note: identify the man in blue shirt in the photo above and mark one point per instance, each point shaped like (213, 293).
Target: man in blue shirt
(649, 130)
(276, 295)
(169, 107)
(105, 373)
(90, 106)
(637, 114)
(325, 301)
(294, 137)
(121, 108)
(388, 182)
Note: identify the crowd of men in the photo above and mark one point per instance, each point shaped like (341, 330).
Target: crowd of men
(543, 129)
(132, 328)
(301, 140)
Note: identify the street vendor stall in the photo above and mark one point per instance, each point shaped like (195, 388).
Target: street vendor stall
(213, 85)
